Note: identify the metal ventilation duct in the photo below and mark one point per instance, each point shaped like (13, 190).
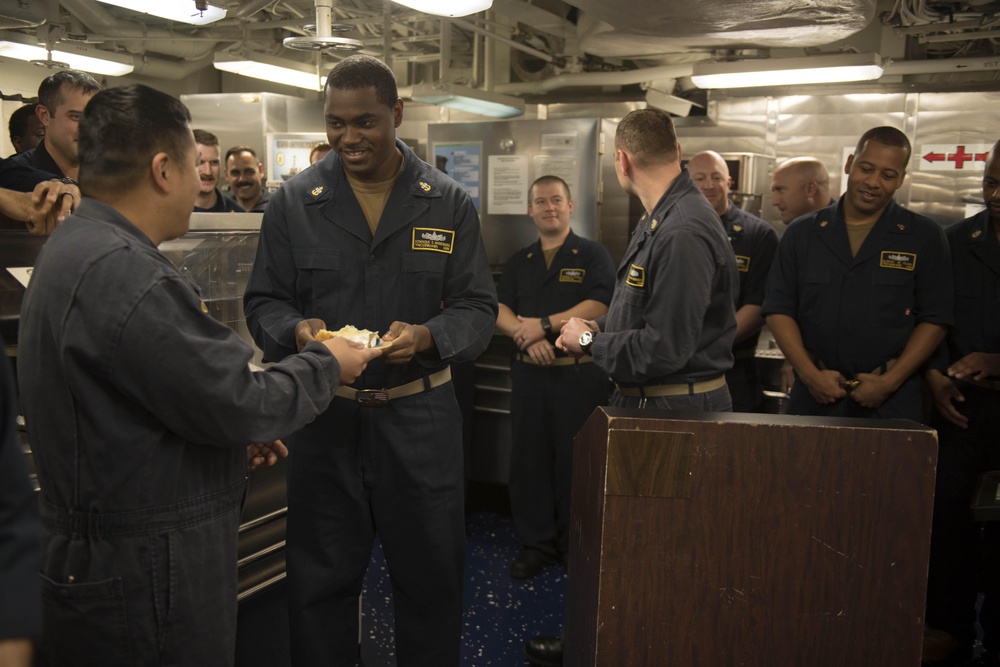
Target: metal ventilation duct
(21, 14)
(660, 26)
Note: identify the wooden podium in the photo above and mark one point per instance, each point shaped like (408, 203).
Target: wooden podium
(731, 539)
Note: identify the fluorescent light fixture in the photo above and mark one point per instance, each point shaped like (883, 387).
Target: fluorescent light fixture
(447, 7)
(74, 56)
(788, 71)
(267, 68)
(184, 11)
(468, 99)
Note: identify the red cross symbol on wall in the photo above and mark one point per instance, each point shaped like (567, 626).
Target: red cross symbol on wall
(960, 158)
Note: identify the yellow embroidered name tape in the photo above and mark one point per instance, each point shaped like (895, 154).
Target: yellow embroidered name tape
(905, 261)
(572, 275)
(434, 240)
(743, 263)
(636, 276)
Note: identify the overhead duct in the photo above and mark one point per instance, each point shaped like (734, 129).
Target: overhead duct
(654, 27)
(22, 14)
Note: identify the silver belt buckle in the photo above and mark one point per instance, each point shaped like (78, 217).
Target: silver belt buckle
(373, 398)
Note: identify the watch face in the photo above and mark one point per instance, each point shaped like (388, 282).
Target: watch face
(586, 338)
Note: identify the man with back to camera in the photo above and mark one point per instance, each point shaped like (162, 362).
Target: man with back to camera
(140, 405)
(667, 338)
(62, 98)
(754, 243)
(799, 185)
(210, 199)
(559, 276)
(964, 379)
(373, 237)
(26, 129)
(245, 175)
(860, 293)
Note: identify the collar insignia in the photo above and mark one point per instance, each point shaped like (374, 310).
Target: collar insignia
(737, 228)
(976, 234)
(204, 308)
(576, 251)
(317, 191)
(824, 223)
(653, 224)
(901, 227)
(424, 186)
(530, 255)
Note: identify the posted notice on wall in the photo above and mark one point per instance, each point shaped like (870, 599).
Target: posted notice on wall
(507, 185)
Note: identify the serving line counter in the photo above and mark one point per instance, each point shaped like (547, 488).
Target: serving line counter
(216, 254)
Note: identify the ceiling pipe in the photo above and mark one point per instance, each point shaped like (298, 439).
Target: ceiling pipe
(106, 27)
(941, 66)
(593, 79)
(173, 70)
(462, 23)
(250, 7)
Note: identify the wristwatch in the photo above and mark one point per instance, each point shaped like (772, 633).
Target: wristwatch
(586, 340)
(546, 325)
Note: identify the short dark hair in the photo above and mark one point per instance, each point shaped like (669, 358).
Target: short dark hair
(319, 147)
(18, 125)
(887, 136)
(205, 138)
(361, 71)
(50, 89)
(546, 180)
(240, 149)
(122, 129)
(649, 135)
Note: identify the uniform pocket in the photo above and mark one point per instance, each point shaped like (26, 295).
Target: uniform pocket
(422, 275)
(316, 280)
(891, 298)
(86, 623)
(814, 301)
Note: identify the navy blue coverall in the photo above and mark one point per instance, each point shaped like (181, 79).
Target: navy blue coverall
(549, 404)
(958, 570)
(396, 470)
(857, 313)
(140, 407)
(754, 244)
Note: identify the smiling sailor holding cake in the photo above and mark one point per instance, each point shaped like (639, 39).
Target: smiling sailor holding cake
(375, 238)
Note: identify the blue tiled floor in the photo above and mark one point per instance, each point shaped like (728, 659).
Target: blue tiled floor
(501, 612)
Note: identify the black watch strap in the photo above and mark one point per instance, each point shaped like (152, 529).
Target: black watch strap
(546, 324)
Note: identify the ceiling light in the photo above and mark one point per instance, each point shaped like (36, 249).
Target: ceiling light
(468, 99)
(68, 55)
(447, 7)
(186, 11)
(788, 71)
(267, 68)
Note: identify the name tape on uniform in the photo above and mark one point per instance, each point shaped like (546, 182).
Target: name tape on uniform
(434, 240)
(636, 276)
(572, 275)
(905, 261)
